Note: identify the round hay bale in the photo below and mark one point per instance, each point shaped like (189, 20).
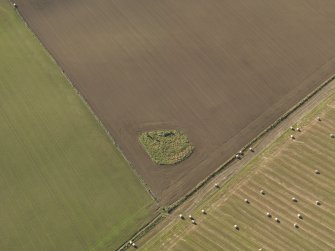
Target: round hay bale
(262, 192)
(193, 222)
(277, 220)
(332, 135)
(292, 128)
(295, 225)
(318, 119)
(316, 171)
(15, 5)
(299, 216)
(203, 211)
(216, 185)
(294, 199)
(190, 217)
(251, 149)
(318, 203)
(181, 216)
(236, 227)
(268, 214)
(292, 136)
(298, 129)
(246, 201)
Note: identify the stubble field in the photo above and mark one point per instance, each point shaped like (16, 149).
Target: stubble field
(284, 170)
(63, 184)
(219, 70)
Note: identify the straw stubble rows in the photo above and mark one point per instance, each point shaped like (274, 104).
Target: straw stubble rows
(284, 171)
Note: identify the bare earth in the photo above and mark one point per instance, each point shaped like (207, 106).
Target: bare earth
(283, 170)
(209, 190)
(219, 70)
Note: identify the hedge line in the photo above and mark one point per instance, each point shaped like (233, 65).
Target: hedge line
(174, 205)
(143, 231)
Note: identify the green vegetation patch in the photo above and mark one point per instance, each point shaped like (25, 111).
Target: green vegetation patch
(166, 147)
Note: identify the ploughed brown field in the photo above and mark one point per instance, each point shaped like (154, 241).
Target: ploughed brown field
(219, 70)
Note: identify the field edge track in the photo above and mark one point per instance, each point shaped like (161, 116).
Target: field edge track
(167, 210)
(323, 105)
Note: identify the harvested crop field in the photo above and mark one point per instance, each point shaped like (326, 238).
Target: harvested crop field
(286, 181)
(220, 71)
(63, 183)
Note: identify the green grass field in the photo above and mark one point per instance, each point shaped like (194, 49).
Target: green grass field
(284, 170)
(63, 184)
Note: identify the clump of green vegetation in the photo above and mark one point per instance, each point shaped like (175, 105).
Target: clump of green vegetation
(166, 147)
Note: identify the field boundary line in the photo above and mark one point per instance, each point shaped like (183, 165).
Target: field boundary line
(156, 217)
(143, 231)
(174, 205)
(169, 209)
(87, 105)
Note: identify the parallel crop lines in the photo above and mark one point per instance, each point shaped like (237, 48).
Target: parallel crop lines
(63, 183)
(285, 170)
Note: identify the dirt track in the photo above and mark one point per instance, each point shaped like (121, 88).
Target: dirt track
(219, 70)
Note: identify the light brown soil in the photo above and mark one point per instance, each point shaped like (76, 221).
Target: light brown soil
(219, 70)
